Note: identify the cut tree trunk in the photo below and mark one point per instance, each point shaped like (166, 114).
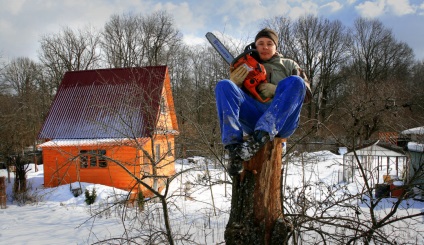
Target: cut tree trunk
(256, 216)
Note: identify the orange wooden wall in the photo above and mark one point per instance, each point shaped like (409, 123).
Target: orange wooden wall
(62, 164)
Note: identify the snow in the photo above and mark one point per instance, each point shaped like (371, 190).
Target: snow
(78, 142)
(415, 131)
(416, 147)
(196, 207)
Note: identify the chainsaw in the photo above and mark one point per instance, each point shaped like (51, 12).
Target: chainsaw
(257, 72)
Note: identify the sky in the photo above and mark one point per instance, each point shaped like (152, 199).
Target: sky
(24, 22)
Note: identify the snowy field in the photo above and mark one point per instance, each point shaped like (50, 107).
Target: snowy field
(198, 207)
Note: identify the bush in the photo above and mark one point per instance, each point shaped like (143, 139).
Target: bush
(140, 200)
(90, 198)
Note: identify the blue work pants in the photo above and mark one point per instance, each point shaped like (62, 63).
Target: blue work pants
(238, 112)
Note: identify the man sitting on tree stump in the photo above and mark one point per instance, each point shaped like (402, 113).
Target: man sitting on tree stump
(239, 113)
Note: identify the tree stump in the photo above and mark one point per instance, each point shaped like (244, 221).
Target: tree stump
(256, 211)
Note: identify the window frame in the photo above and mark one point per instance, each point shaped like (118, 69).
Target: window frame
(92, 159)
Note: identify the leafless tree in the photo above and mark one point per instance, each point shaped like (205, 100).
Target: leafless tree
(375, 75)
(136, 40)
(69, 50)
(160, 39)
(23, 78)
(22, 110)
(376, 55)
(121, 41)
(413, 104)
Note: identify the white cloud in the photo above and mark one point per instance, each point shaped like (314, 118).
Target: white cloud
(304, 9)
(12, 7)
(183, 15)
(332, 6)
(372, 9)
(193, 40)
(421, 9)
(400, 7)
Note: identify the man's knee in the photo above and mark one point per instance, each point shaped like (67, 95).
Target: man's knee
(224, 84)
(291, 85)
(227, 88)
(295, 82)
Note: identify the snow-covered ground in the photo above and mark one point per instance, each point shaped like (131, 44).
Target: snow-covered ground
(198, 210)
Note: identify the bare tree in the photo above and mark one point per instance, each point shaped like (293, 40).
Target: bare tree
(160, 39)
(136, 40)
(377, 56)
(334, 55)
(378, 66)
(22, 110)
(69, 50)
(121, 41)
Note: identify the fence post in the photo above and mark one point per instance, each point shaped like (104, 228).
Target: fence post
(2, 192)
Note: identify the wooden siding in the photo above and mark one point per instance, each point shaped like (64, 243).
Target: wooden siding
(62, 164)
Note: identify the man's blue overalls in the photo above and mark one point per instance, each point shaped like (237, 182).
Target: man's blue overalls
(238, 112)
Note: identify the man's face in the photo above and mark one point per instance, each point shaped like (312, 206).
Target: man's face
(266, 48)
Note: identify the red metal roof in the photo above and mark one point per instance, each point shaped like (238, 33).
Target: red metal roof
(106, 103)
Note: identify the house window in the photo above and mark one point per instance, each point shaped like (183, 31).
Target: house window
(102, 160)
(157, 152)
(162, 106)
(93, 159)
(170, 149)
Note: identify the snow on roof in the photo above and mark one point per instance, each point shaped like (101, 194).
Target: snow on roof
(86, 142)
(376, 150)
(417, 131)
(414, 146)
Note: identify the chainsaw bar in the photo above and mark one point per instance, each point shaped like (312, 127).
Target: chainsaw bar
(220, 48)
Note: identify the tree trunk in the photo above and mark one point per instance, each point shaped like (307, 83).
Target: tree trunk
(256, 216)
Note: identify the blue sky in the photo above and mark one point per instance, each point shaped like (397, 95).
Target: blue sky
(24, 22)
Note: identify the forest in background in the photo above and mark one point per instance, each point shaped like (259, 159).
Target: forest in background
(364, 81)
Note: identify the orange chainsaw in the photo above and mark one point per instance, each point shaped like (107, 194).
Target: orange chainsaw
(257, 72)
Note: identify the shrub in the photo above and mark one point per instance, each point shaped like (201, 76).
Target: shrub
(90, 198)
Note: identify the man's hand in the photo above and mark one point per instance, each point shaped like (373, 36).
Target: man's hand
(238, 75)
(267, 89)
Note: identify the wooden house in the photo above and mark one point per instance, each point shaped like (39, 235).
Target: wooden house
(111, 126)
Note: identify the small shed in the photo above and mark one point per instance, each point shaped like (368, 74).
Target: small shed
(108, 126)
(378, 160)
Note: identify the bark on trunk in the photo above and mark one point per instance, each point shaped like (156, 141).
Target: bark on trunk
(256, 216)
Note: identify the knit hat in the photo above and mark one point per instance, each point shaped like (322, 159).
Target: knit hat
(269, 34)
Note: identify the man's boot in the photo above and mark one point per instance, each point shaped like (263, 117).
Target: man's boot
(235, 163)
(252, 145)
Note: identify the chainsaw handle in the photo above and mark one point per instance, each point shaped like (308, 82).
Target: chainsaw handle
(251, 85)
(242, 55)
(256, 76)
